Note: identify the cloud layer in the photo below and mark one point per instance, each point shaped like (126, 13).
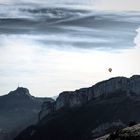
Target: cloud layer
(49, 50)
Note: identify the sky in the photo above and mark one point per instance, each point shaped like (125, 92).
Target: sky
(50, 56)
(98, 4)
(117, 5)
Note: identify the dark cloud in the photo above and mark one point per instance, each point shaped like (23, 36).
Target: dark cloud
(64, 27)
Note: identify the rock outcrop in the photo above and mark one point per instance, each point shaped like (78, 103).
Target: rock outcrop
(128, 133)
(112, 87)
(20, 91)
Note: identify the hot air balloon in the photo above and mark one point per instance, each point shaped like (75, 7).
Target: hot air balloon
(110, 69)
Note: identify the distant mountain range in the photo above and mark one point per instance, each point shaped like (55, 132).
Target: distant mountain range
(18, 109)
(88, 113)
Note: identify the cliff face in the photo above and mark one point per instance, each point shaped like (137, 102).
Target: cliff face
(111, 87)
(46, 108)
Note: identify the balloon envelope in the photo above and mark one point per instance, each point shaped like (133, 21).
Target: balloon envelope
(110, 69)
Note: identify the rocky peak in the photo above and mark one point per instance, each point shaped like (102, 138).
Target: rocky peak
(20, 91)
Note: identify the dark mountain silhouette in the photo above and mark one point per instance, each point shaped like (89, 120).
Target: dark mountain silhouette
(18, 109)
(88, 113)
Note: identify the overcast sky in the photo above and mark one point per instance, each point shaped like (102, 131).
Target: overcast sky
(117, 4)
(68, 55)
(98, 4)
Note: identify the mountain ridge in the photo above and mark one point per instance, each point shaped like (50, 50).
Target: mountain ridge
(103, 88)
(18, 109)
(88, 113)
